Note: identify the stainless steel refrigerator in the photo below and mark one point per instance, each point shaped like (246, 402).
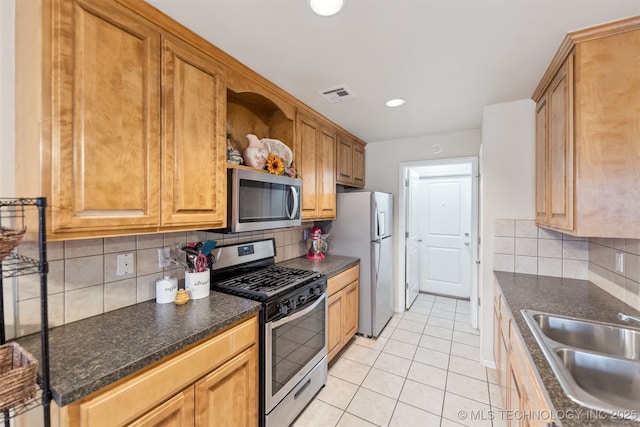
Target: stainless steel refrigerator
(363, 228)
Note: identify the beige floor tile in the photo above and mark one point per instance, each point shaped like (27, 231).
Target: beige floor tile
(446, 300)
(415, 317)
(319, 414)
(443, 314)
(349, 420)
(467, 351)
(421, 309)
(444, 306)
(493, 376)
(383, 382)
(466, 411)
(448, 423)
(426, 297)
(404, 336)
(401, 349)
(372, 407)
(422, 396)
(467, 367)
(468, 387)
(408, 416)
(437, 331)
(465, 327)
(495, 396)
(393, 322)
(393, 364)
(465, 338)
(411, 326)
(360, 354)
(386, 332)
(432, 357)
(337, 392)
(435, 343)
(427, 374)
(439, 321)
(373, 343)
(349, 370)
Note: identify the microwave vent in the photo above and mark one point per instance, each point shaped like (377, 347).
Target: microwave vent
(338, 94)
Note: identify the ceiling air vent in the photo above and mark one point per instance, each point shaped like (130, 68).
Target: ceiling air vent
(338, 94)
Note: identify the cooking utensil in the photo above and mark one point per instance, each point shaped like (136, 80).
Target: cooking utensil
(208, 246)
(201, 263)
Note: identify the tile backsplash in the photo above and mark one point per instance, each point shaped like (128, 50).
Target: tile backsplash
(521, 247)
(82, 280)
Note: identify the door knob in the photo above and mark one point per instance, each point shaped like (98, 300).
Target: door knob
(466, 243)
(466, 234)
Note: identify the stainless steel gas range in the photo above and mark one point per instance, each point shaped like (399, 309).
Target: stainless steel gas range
(293, 326)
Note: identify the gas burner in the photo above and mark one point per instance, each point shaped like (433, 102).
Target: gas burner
(267, 282)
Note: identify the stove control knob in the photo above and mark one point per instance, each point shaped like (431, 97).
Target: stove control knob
(317, 291)
(302, 299)
(283, 308)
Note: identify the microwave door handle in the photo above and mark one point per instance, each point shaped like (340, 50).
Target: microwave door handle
(294, 193)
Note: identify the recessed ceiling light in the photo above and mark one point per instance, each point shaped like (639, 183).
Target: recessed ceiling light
(395, 102)
(326, 7)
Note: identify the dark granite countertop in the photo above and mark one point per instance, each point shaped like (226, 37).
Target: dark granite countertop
(330, 265)
(90, 354)
(568, 297)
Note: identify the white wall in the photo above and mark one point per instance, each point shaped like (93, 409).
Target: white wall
(382, 174)
(7, 85)
(507, 189)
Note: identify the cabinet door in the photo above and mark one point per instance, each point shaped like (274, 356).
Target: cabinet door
(193, 138)
(560, 147)
(305, 157)
(358, 165)
(175, 412)
(335, 308)
(228, 396)
(344, 161)
(326, 178)
(541, 161)
(105, 118)
(350, 317)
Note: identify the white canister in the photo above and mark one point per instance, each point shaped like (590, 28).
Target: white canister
(197, 284)
(166, 290)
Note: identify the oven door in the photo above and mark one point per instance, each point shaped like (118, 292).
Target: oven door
(294, 345)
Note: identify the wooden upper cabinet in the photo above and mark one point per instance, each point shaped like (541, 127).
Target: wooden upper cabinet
(314, 153)
(105, 120)
(350, 161)
(193, 137)
(587, 134)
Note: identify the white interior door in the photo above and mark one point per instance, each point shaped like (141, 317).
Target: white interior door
(412, 240)
(446, 233)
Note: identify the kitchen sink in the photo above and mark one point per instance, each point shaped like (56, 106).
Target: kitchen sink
(597, 364)
(599, 337)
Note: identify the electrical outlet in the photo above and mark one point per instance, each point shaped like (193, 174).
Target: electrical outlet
(164, 257)
(619, 262)
(125, 264)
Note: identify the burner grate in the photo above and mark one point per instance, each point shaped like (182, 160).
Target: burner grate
(267, 281)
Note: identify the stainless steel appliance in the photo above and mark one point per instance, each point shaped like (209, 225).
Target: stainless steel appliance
(363, 228)
(293, 326)
(259, 201)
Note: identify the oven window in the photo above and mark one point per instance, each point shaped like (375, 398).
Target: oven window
(295, 343)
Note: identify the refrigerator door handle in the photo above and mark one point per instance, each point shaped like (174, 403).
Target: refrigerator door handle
(377, 261)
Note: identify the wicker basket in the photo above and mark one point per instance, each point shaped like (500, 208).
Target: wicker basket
(9, 239)
(17, 375)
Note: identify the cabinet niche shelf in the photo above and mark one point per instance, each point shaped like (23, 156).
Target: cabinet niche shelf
(13, 213)
(253, 113)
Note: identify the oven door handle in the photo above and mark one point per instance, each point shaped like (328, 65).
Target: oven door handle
(297, 314)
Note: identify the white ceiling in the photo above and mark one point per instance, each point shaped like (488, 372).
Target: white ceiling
(447, 58)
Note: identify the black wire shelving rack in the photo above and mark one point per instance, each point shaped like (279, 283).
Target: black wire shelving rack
(12, 213)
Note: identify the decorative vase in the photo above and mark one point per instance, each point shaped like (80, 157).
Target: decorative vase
(255, 155)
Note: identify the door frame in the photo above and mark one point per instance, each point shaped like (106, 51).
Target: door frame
(475, 230)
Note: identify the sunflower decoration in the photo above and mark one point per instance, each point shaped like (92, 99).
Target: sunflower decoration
(274, 164)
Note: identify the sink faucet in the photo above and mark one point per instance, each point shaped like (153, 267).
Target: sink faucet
(627, 318)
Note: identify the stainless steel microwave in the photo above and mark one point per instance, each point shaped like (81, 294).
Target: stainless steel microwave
(260, 201)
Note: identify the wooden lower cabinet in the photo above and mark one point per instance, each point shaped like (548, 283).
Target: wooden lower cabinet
(523, 397)
(342, 291)
(213, 383)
